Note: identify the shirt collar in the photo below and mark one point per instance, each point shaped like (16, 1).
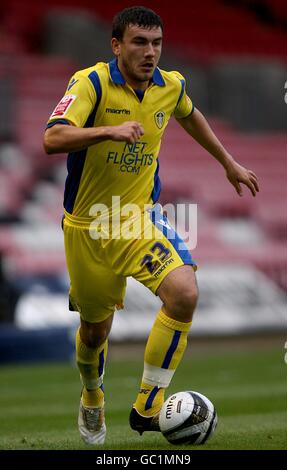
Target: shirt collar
(118, 79)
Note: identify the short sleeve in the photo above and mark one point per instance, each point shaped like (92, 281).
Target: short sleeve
(184, 105)
(77, 103)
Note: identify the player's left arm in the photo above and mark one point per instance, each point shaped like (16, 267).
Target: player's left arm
(197, 126)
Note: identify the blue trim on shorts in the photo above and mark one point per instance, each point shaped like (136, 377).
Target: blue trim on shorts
(161, 222)
(171, 350)
(151, 398)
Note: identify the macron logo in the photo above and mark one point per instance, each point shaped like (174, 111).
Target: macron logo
(72, 83)
(117, 111)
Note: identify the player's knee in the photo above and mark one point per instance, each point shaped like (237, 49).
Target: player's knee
(182, 305)
(94, 341)
(187, 302)
(94, 334)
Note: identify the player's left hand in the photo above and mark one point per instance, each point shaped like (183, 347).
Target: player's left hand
(237, 174)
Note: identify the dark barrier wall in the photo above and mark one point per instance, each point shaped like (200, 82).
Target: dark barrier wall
(20, 346)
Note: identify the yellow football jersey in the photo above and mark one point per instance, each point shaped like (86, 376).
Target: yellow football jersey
(99, 96)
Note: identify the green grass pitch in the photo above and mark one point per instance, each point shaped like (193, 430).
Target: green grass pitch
(39, 403)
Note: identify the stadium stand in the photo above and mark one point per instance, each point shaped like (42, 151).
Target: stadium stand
(227, 291)
(202, 30)
(269, 11)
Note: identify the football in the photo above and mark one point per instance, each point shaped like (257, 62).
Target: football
(187, 418)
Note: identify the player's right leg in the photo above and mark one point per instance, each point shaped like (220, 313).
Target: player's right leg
(91, 352)
(95, 292)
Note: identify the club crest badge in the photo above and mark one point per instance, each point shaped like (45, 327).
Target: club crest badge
(159, 118)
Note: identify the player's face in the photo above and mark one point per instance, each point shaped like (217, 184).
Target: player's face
(138, 54)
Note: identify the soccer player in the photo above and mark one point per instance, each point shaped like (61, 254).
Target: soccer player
(111, 121)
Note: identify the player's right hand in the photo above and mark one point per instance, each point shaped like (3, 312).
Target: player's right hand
(129, 131)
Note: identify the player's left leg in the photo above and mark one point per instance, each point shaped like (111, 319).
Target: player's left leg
(165, 346)
(164, 265)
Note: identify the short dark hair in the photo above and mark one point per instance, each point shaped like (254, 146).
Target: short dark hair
(136, 15)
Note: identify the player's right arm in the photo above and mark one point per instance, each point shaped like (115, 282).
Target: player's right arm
(66, 129)
(68, 138)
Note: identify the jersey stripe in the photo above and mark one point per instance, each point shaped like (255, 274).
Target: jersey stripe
(94, 77)
(76, 160)
(181, 91)
(75, 166)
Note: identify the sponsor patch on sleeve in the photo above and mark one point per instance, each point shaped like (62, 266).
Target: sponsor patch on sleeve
(63, 106)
